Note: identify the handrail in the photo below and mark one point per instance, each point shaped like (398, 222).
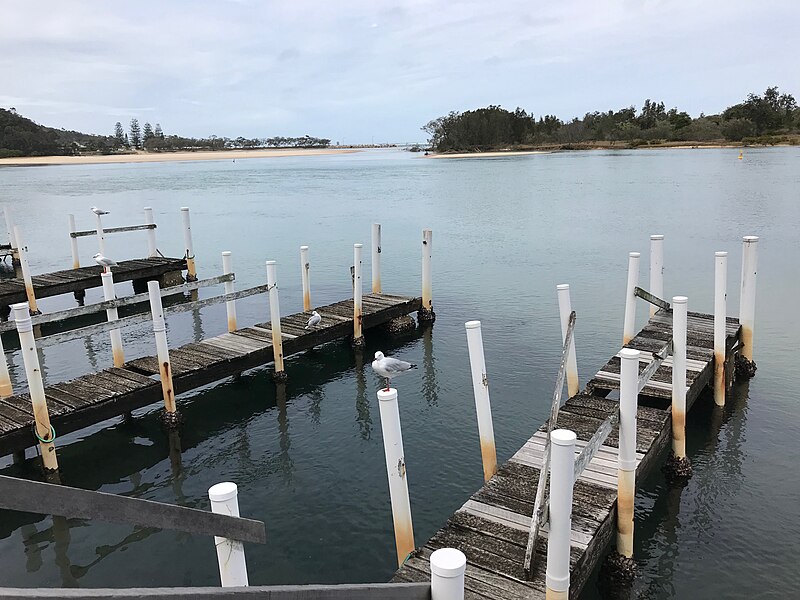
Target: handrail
(645, 295)
(540, 506)
(88, 232)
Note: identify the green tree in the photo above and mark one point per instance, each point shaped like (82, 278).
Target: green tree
(119, 136)
(736, 130)
(136, 133)
(157, 132)
(147, 133)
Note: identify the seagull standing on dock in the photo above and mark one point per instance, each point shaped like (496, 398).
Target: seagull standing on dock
(388, 367)
(104, 262)
(99, 211)
(314, 320)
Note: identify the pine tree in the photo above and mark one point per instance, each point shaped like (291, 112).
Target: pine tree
(136, 133)
(119, 135)
(158, 133)
(147, 133)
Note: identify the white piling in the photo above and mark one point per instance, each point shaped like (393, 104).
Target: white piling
(396, 471)
(376, 258)
(73, 241)
(191, 270)
(5, 379)
(230, 553)
(162, 347)
(426, 313)
(275, 318)
(628, 330)
(357, 295)
(656, 269)
(626, 470)
(562, 478)
(747, 299)
(33, 372)
(565, 309)
(152, 249)
(720, 320)
(230, 305)
(447, 574)
(483, 407)
(101, 236)
(111, 315)
(26, 271)
(679, 326)
(305, 268)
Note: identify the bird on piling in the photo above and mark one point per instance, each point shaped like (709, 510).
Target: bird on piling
(314, 320)
(99, 211)
(388, 367)
(104, 262)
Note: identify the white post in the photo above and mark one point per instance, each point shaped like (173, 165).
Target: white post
(747, 301)
(230, 305)
(679, 325)
(426, 313)
(656, 269)
(562, 478)
(628, 330)
(76, 261)
(720, 322)
(376, 258)
(43, 430)
(480, 388)
(162, 347)
(396, 471)
(230, 553)
(275, 318)
(191, 270)
(565, 309)
(626, 470)
(12, 240)
(5, 379)
(111, 315)
(357, 295)
(447, 574)
(101, 236)
(26, 271)
(305, 268)
(152, 249)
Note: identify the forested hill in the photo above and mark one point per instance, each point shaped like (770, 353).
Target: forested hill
(20, 136)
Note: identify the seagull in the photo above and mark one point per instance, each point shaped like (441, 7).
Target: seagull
(99, 211)
(314, 320)
(104, 262)
(388, 367)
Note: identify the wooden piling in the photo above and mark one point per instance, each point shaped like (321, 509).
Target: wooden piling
(747, 298)
(480, 389)
(565, 309)
(275, 320)
(376, 258)
(358, 310)
(562, 479)
(305, 275)
(656, 269)
(230, 553)
(162, 351)
(426, 314)
(5, 379)
(720, 321)
(101, 236)
(76, 261)
(26, 272)
(191, 269)
(152, 249)
(12, 240)
(230, 305)
(679, 324)
(629, 324)
(626, 470)
(111, 315)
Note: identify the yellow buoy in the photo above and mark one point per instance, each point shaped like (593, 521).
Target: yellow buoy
(740, 155)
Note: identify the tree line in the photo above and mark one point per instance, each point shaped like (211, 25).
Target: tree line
(769, 118)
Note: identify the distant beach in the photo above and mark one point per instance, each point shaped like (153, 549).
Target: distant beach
(493, 154)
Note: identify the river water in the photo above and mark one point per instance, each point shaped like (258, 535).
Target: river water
(309, 460)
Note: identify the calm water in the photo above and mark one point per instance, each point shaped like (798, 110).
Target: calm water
(309, 459)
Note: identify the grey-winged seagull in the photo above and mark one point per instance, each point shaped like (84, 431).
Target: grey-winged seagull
(314, 320)
(104, 262)
(388, 367)
(99, 211)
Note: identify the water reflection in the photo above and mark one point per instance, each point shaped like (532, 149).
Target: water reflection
(363, 417)
(197, 321)
(139, 534)
(430, 388)
(285, 460)
(61, 548)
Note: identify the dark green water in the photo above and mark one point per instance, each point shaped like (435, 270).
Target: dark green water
(309, 460)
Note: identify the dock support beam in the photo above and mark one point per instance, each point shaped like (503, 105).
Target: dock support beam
(678, 466)
(171, 418)
(358, 335)
(720, 320)
(747, 305)
(73, 241)
(656, 269)
(152, 249)
(629, 325)
(396, 471)
(483, 408)
(5, 379)
(230, 305)
(565, 309)
(26, 272)
(111, 315)
(275, 321)
(230, 553)
(191, 269)
(305, 275)
(376, 258)
(101, 236)
(447, 574)
(426, 314)
(562, 479)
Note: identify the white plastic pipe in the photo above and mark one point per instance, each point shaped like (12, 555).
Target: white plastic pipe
(305, 274)
(396, 471)
(5, 379)
(152, 249)
(33, 373)
(12, 240)
(230, 305)
(275, 315)
(747, 302)
(427, 249)
(656, 269)
(162, 347)
(679, 325)
(376, 258)
(230, 553)
(191, 270)
(357, 293)
(101, 236)
(73, 241)
(447, 574)
(111, 315)
(26, 271)
(720, 321)
(565, 309)
(562, 478)
(483, 407)
(628, 329)
(626, 470)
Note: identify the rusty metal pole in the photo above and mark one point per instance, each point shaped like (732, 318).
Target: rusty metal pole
(396, 471)
(73, 241)
(747, 301)
(101, 236)
(111, 315)
(720, 320)
(26, 272)
(230, 305)
(43, 429)
(358, 310)
(5, 379)
(483, 407)
(447, 574)
(426, 314)
(275, 321)
(562, 479)
(305, 275)
(565, 309)
(629, 326)
(230, 553)
(679, 325)
(656, 269)
(626, 470)
(162, 350)
(191, 269)
(376, 258)
(152, 249)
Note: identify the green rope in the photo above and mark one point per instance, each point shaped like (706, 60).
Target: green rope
(407, 557)
(41, 439)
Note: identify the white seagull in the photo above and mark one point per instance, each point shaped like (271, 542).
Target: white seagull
(388, 367)
(104, 262)
(99, 211)
(314, 320)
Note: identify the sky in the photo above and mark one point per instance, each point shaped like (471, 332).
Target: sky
(371, 71)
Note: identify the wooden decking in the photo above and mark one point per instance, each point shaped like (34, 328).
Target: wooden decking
(75, 280)
(492, 527)
(98, 396)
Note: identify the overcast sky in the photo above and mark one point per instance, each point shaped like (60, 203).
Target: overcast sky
(355, 71)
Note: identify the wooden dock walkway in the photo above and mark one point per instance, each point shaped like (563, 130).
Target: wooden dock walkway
(492, 527)
(98, 396)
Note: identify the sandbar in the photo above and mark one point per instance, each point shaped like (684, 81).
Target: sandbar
(494, 154)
